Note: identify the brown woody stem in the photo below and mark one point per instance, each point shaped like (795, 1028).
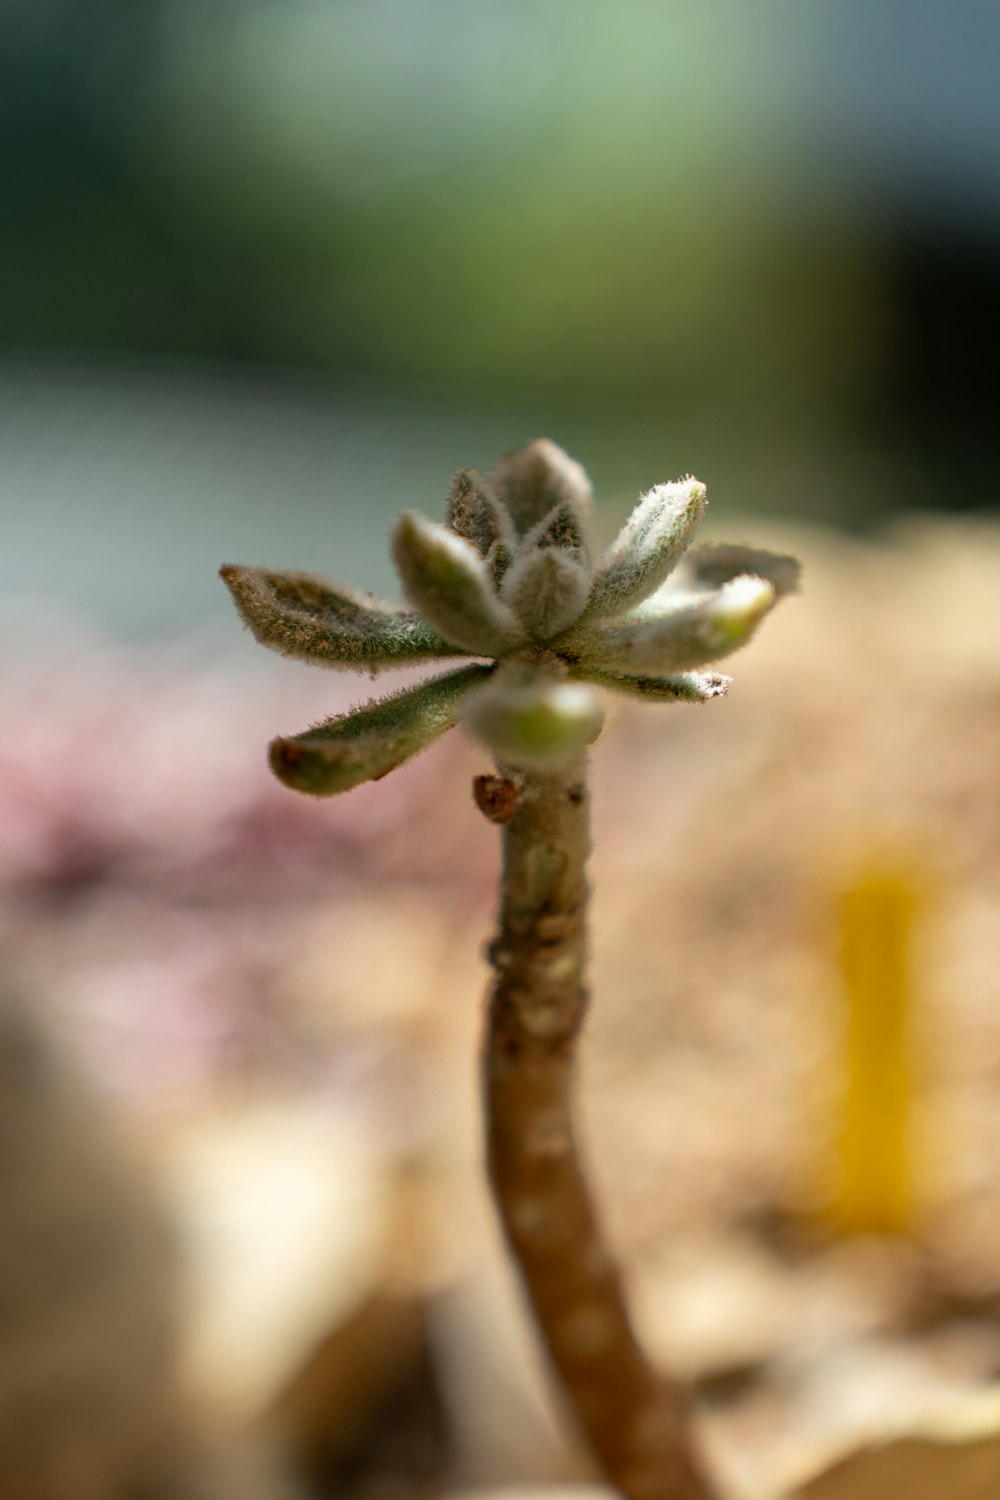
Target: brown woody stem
(635, 1419)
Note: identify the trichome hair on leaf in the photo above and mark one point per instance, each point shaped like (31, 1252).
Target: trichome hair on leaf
(369, 742)
(446, 580)
(532, 480)
(648, 546)
(512, 577)
(547, 590)
(302, 616)
(474, 512)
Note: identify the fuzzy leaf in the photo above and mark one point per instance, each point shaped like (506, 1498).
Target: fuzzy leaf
(307, 618)
(565, 528)
(715, 564)
(475, 513)
(684, 687)
(690, 635)
(547, 590)
(648, 546)
(498, 560)
(369, 742)
(532, 720)
(533, 479)
(444, 577)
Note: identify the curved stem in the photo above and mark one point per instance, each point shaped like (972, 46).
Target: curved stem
(634, 1418)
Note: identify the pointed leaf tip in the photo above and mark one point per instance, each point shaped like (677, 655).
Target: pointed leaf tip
(563, 527)
(473, 512)
(531, 720)
(547, 590)
(369, 742)
(532, 480)
(498, 560)
(648, 547)
(305, 617)
(681, 687)
(444, 577)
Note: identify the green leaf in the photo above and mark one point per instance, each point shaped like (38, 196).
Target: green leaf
(371, 741)
(312, 620)
(547, 590)
(713, 565)
(533, 720)
(648, 547)
(690, 635)
(683, 687)
(498, 560)
(565, 528)
(444, 577)
(474, 512)
(534, 479)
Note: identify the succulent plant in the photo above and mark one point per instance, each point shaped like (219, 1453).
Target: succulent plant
(512, 578)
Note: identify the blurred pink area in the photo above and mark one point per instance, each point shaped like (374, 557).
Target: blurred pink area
(208, 938)
(154, 876)
(188, 914)
(200, 927)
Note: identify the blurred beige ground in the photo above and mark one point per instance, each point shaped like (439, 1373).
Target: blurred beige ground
(284, 999)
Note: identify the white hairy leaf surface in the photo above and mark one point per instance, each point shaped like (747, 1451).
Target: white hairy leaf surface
(648, 547)
(547, 590)
(692, 634)
(681, 687)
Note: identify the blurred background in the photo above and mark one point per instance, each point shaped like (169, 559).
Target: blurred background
(266, 268)
(269, 274)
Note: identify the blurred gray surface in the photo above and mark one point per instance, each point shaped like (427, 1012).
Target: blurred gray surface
(122, 491)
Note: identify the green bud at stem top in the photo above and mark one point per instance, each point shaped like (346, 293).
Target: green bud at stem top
(532, 720)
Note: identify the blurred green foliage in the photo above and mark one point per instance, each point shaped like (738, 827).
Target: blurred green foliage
(749, 240)
(611, 203)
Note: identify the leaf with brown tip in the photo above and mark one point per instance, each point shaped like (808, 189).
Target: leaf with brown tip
(682, 687)
(373, 740)
(305, 617)
(473, 512)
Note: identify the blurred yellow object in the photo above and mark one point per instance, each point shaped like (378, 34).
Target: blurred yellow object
(874, 1185)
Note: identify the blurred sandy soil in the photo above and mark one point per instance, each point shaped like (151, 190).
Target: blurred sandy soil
(284, 999)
